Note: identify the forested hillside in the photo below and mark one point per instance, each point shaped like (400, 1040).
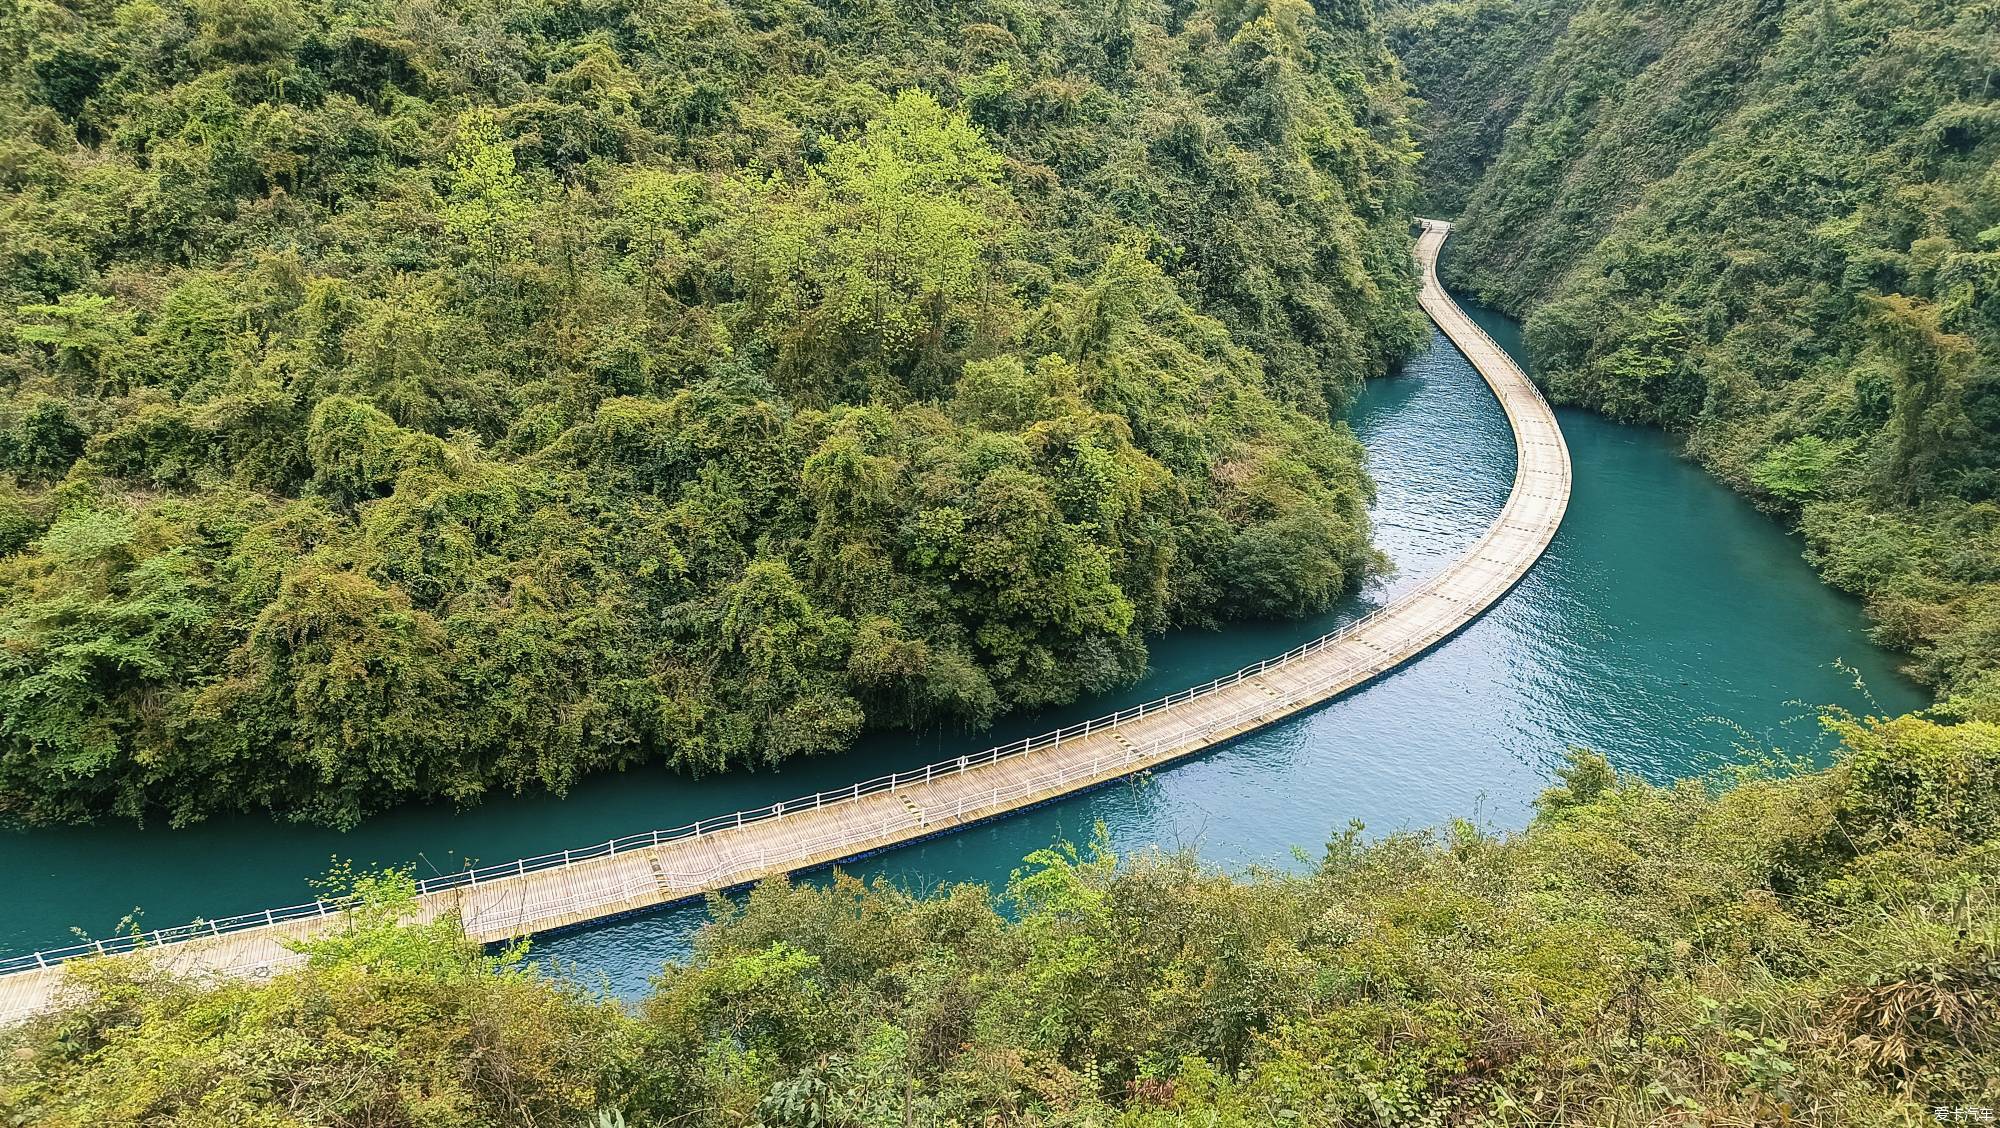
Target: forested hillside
(1468, 61)
(1819, 950)
(402, 400)
(1774, 227)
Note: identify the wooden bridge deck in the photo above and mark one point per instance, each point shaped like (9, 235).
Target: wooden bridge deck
(499, 903)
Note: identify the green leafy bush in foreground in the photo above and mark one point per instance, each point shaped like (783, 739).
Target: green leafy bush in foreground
(1822, 949)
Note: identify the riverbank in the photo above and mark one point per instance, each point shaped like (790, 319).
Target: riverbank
(1667, 613)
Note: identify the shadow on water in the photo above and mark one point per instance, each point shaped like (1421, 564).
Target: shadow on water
(1665, 603)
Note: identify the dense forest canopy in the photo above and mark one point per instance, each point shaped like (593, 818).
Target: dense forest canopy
(1819, 950)
(407, 399)
(1774, 227)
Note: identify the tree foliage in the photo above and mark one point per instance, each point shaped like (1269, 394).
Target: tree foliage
(403, 401)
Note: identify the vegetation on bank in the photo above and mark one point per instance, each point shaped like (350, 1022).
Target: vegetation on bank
(407, 400)
(1774, 227)
(1818, 950)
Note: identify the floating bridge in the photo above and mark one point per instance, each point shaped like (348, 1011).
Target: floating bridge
(640, 871)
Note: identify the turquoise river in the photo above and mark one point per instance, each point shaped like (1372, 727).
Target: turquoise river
(1670, 626)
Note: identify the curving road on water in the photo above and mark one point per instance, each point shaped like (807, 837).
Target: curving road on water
(657, 868)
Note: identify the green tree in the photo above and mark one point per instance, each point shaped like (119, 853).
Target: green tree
(1797, 469)
(104, 624)
(85, 333)
(487, 206)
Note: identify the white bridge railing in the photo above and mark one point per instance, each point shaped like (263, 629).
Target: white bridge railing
(204, 929)
(1055, 781)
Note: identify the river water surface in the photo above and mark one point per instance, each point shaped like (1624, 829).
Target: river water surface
(1668, 626)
